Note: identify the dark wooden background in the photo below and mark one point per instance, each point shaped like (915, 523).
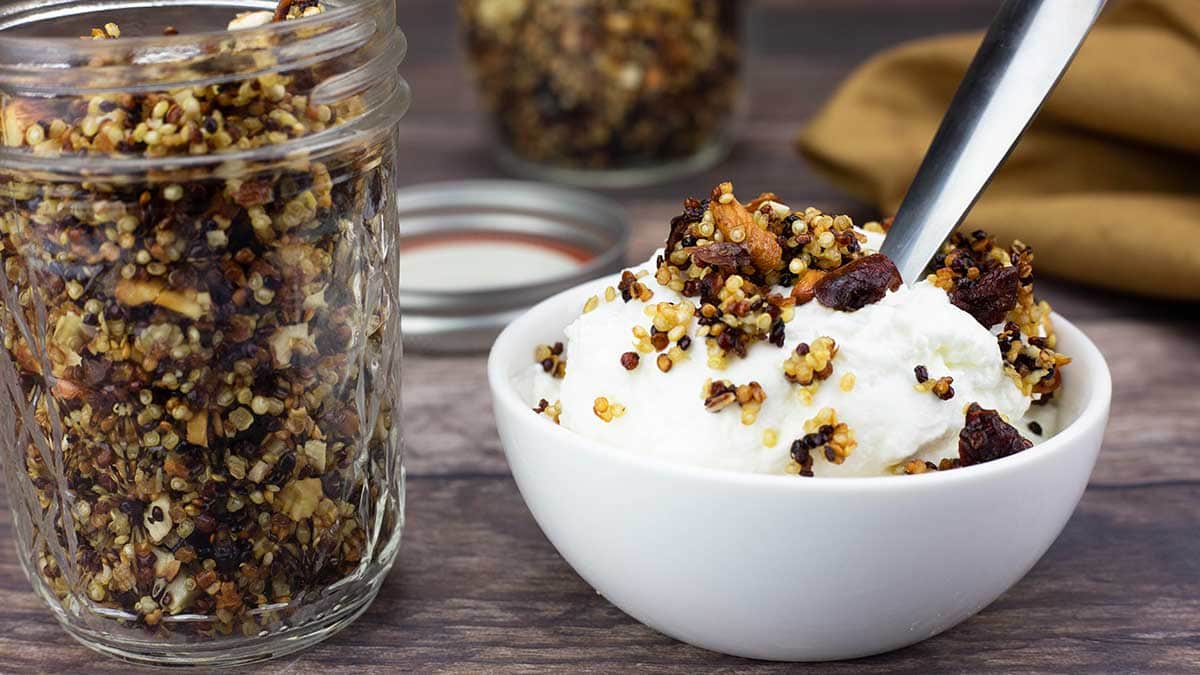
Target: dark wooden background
(477, 586)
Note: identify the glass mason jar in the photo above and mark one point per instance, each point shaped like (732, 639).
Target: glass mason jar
(201, 360)
(607, 93)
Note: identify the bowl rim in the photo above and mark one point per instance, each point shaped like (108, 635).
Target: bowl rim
(1086, 357)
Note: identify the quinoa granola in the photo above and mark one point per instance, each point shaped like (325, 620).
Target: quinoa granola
(196, 340)
(605, 84)
(744, 268)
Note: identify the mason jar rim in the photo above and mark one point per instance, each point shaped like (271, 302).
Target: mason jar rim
(45, 68)
(16, 14)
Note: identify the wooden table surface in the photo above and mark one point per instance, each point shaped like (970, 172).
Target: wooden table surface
(478, 587)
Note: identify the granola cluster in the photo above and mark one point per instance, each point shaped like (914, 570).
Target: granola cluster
(743, 269)
(941, 387)
(995, 285)
(811, 363)
(552, 360)
(720, 394)
(824, 434)
(732, 258)
(551, 410)
(198, 341)
(607, 410)
(605, 84)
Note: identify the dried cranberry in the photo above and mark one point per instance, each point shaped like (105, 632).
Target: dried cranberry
(988, 298)
(986, 436)
(858, 283)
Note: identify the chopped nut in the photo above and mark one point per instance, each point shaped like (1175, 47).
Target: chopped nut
(299, 498)
(288, 340)
(157, 519)
(247, 20)
(731, 217)
(197, 428)
(316, 451)
(806, 285)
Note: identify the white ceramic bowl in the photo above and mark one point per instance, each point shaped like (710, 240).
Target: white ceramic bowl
(787, 568)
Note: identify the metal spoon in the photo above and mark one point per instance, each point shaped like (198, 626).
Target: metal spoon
(1025, 52)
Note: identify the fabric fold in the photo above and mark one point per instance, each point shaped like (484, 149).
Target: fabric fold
(1105, 185)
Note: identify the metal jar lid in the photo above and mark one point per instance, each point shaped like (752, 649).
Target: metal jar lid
(476, 254)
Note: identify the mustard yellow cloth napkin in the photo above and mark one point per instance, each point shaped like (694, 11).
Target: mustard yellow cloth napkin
(1106, 183)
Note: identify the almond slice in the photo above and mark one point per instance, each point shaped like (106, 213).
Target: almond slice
(738, 226)
(181, 303)
(197, 429)
(806, 286)
(756, 203)
(134, 293)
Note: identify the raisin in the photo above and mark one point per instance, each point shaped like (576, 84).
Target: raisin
(227, 556)
(858, 283)
(725, 254)
(986, 436)
(132, 508)
(988, 298)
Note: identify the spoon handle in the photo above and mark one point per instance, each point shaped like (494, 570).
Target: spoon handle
(1025, 52)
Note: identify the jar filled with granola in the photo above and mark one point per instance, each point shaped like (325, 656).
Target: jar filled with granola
(201, 354)
(607, 93)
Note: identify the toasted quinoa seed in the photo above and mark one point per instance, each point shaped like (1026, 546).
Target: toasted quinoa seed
(847, 382)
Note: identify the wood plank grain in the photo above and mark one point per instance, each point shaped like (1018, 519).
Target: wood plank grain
(479, 588)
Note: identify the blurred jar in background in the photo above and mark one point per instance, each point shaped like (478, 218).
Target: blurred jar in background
(607, 92)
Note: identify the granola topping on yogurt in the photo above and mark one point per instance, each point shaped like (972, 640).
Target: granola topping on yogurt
(783, 299)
